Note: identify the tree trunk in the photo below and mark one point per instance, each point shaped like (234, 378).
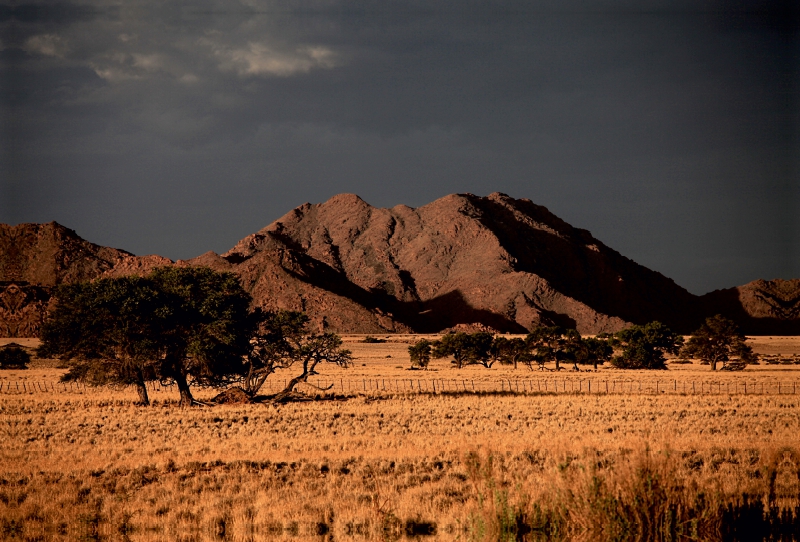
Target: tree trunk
(308, 369)
(183, 387)
(713, 364)
(281, 396)
(141, 389)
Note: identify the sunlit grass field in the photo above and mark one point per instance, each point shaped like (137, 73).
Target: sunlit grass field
(383, 464)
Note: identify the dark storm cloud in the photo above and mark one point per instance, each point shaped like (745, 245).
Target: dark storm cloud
(669, 130)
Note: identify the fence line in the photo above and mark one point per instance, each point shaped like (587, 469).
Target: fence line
(592, 386)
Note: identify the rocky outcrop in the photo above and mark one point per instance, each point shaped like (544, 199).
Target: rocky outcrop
(761, 307)
(490, 262)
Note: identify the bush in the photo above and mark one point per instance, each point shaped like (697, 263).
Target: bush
(14, 357)
(372, 340)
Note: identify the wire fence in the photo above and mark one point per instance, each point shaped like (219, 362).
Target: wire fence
(454, 386)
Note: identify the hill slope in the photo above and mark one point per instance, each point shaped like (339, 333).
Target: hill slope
(505, 263)
(500, 262)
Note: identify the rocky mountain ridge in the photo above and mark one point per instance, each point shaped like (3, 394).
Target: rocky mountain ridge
(494, 261)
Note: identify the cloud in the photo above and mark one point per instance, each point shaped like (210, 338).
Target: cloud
(119, 66)
(47, 45)
(261, 59)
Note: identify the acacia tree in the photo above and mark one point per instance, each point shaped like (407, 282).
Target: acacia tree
(420, 353)
(464, 348)
(108, 331)
(643, 347)
(272, 345)
(312, 350)
(481, 349)
(511, 351)
(718, 340)
(595, 350)
(457, 345)
(546, 344)
(206, 333)
(586, 351)
(280, 340)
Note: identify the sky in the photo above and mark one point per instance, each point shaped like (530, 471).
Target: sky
(668, 128)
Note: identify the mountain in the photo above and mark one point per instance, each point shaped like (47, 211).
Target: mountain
(36, 257)
(761, 307)
(505, 263)
(462, 260)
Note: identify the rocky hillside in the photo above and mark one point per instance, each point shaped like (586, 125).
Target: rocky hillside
(762, 307)
(505, 263)
(497, 262)
(36, 257)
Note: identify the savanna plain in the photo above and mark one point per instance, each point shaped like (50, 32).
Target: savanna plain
(388, 453)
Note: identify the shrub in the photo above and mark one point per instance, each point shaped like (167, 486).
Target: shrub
(14, 357)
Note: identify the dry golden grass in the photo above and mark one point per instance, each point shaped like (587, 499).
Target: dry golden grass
(89, 462)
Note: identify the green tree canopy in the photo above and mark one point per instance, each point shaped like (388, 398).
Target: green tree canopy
(207, 329)
(643, 347)
(718, 340)
(280, 340)
(312, 350)
(109, 331)
(171, 325)
(464, 348)
(511, 351)
(420, 353)
(594, 351)
(546, 344)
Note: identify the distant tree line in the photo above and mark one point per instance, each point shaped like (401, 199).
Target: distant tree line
(183, 326)
(637, 347)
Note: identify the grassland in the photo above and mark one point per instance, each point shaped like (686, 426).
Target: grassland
(383, 464)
